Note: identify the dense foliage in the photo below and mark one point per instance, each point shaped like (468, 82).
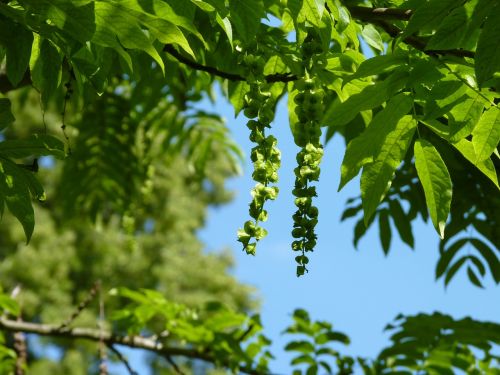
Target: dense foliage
(121, 79)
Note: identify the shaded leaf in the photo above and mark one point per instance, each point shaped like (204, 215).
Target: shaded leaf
(489, 255)
(6, 117)
(384, 231)
(473, 278)
(447, 256)
(17, 41)
(402, 222)
(451, 31)
(246, 17)
(487, 52)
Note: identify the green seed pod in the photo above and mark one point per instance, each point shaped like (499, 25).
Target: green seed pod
(250, 248)
(251, 112)
(249, 227)
(309, 245)
(298, 232)
(256, 136)
(313, 212)
(301, 270)
(302, 259)
(253, 125)
(263, 216)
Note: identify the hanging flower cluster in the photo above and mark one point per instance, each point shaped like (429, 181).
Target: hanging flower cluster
(307, 136)
(266, 158)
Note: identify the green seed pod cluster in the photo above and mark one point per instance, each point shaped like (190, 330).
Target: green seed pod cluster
(266, 158)
(307, 136)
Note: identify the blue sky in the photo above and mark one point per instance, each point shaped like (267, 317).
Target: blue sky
(358, 291)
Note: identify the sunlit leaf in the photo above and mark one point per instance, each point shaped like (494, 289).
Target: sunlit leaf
(436, 182)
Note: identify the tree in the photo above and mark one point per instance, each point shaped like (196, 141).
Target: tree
(420, 121)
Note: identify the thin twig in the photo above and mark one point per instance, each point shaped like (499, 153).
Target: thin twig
(174, 365)
(20, 348)
(123, 360)
(103, 367)
(81, 306)
(246, 333)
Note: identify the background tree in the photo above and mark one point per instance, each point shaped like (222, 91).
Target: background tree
(420, 120)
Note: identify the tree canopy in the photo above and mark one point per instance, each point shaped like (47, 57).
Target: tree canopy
(101, 96)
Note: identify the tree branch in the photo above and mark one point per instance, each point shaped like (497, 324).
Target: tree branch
(370, 14)
(419, 43)
(111, 339)
(278, 77)
(379, 16)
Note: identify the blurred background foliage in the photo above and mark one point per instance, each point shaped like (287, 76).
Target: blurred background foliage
(124, 208)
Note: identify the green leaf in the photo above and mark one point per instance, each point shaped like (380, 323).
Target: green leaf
(6, 117)
(326, 366)
(311, 11)
(384, 231)
(246, 17)
(487, 52)
(9, 305)
(377, 65)
(368, 146)
(302, 359)
(225, 24)
(451, 31)
(478, 264)
(17, 41)
(486, 134)
(489, 255)
(15, 192)
(402, 222)
(466, 148)
(473, 278)
(37, 145)
(340, 113)
(428, 15)
(447, 256)
(115, 20)
(436, 182)
(236, 93)
(463, 117)
(312, 370)
(372, 37)
(45, 67)
(377, 176)
(300, 346)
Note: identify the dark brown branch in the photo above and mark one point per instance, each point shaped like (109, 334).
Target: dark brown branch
(370, 14)
(419, 43)
(109, 339)
(278, 77)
